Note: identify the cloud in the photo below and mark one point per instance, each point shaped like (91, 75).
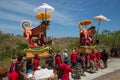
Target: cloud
(11, 17)
(63, 19)
(17, 11)
(67, 14)
(17, 6)
(6, 28)
(28, 9)
(15, 17)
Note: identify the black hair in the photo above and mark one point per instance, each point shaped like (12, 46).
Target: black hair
(29, 60)
(66, 60)
(92, 27)
(45, 22)
(20, 58)
(43, 66)
(93, 50)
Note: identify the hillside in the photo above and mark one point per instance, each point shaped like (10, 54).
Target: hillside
(62, 43)
(14, 44)
(11, 45)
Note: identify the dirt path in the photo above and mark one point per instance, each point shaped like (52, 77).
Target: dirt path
(111, 73)
(110, 76)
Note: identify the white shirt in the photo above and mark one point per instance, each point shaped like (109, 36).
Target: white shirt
(65, 54)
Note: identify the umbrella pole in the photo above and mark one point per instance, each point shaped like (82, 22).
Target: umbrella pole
(45, 14)
(98, 26)
(42, 16)
(45, 19)
(96, 39)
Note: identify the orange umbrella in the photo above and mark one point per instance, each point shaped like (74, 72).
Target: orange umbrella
(85, 22)
(43, 16)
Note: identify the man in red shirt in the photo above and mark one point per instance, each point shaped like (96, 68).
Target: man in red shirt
(13, 75)
(58, 60)
(36, 62)
(83, 61)
(92, 59)
(73, 58)
(98, 56)
(65, 68)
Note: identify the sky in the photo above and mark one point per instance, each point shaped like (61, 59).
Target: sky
(64, 19)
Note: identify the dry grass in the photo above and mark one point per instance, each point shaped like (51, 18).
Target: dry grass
(62, 43)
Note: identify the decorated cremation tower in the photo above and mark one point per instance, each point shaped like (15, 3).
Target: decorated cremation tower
(36, 37)
(89, 37)
(86, 43)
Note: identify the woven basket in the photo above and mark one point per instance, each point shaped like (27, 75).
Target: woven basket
(31, 54)
(86, 49)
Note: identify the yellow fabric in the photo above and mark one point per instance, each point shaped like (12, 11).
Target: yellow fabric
(85, 22)
(43, 16)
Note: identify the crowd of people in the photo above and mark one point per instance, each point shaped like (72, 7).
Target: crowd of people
(75, 64)
(62, 65)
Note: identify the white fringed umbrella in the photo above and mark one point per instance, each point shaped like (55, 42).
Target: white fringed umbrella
(100, 18)
(44, 8)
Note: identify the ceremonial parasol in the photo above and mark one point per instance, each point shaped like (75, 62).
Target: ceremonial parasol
(100, 18)
(43, 16)
(44, 8)
(84, 22)
(47, 9)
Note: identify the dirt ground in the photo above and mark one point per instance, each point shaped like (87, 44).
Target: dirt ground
(110, 76)
(112, 72)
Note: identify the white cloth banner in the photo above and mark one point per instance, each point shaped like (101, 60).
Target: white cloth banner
(43, 73)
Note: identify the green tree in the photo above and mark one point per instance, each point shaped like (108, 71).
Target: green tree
(110, 39)
(20, 48)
